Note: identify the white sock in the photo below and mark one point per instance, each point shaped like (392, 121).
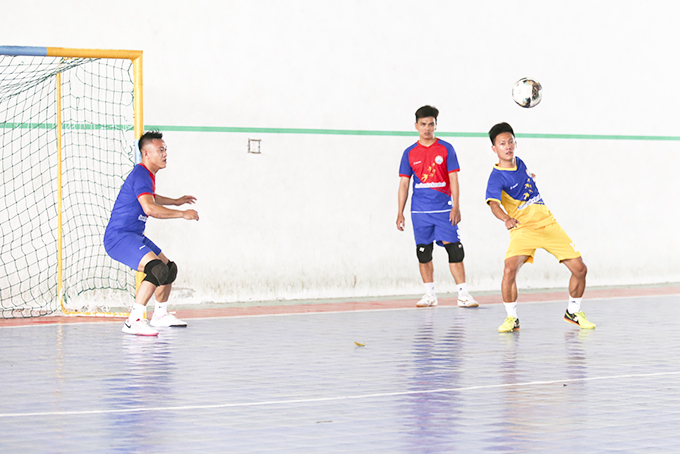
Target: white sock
(574, 305)
(161, 308)
(137, 312)
(511, 309)
(429, 288)
(462, 289)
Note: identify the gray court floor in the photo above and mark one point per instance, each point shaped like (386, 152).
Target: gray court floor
(426, 381)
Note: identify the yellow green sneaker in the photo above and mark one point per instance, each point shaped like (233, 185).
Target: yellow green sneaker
(509, 325)
(578, 318)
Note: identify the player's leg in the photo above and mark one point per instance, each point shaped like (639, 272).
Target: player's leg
(161, 316)
(137, 322)
(509, 292)
(163, 291)
(146, 288)
(423, 231)
(457, 267)
(426, 267)
(509, 282)
(447, 235)
(577, 281)
(577, 286)
(558, 243)
(131, 250)
(521, 250)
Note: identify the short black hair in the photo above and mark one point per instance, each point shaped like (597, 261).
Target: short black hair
(500, 128)
(148, 137)
(427, 111)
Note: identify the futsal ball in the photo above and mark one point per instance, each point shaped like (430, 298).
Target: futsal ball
(527, 92)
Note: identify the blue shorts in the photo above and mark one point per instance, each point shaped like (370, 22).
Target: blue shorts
(429, 227)
(129, 248)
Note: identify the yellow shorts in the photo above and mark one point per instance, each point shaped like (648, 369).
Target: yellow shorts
(552, 238)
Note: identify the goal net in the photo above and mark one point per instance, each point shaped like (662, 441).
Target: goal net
(67, 138)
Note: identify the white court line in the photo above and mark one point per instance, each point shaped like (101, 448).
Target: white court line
(329, 399)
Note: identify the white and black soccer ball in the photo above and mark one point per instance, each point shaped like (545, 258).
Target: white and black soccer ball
(527, 92)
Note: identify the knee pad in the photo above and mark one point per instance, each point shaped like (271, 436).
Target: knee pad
(172, 273)
(156, 272)
(424, 252)
(456, 252)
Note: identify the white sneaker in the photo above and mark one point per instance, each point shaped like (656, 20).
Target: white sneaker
(427, 301)
(139, 327)
(467, 301)
(167, 320)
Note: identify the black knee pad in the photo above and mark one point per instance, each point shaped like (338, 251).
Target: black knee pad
(424, 252)
(156, 272)
(172, 273)
(456, 252)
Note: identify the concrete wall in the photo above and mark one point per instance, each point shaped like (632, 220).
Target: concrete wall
(314, 214)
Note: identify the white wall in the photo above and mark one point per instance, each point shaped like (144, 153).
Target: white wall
(314, 214)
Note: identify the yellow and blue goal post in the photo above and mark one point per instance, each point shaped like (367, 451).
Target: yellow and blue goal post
(69, 122)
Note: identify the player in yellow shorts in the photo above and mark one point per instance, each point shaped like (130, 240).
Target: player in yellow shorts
(514, 199)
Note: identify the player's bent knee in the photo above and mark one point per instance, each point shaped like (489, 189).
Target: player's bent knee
(156, 272)
(172, 273)
(424, 252)
(455, 251)
(582, 270)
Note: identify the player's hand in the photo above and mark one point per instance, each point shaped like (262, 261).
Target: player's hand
(190, 215)
(190, 199)
(454, 215)
(400, 222)
(511, 223)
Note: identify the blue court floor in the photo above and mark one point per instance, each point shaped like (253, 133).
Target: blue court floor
(434, 380)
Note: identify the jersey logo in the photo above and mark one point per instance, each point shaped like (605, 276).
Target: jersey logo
(438, 160)
(531, 201)
(142, 218)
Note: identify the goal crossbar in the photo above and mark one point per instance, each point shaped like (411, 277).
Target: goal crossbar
(66, 54)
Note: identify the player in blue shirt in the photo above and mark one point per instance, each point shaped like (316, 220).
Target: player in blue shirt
(514, 199)
(125, 242)
(435, 212)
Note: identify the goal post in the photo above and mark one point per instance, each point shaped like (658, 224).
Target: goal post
(69, 123)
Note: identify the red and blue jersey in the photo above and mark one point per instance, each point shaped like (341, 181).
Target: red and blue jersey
(127, 214)
(430, 168)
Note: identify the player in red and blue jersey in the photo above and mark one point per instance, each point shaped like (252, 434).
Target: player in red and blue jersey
(124, 239)
(514, 199)
(435, 211)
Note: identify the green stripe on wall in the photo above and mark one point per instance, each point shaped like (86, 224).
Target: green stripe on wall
(360, 132)
(330, 132)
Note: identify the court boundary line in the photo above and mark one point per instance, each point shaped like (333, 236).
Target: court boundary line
(314, 308)
(332, 399)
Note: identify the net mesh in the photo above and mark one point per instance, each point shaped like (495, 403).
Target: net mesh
(97, 154)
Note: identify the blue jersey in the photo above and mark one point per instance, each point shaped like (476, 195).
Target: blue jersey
(430, 168)
(127, 215)
(516, 190)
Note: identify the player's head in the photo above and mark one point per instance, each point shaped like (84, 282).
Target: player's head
(149, 137)
(153, 150)
(426, 123)
(503, 143)
(427, 111)
(499, 129)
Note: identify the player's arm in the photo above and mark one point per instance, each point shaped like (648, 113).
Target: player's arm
(454, 216)
(499, 212)
(403, 197)
(153, 209)
(161, 200)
